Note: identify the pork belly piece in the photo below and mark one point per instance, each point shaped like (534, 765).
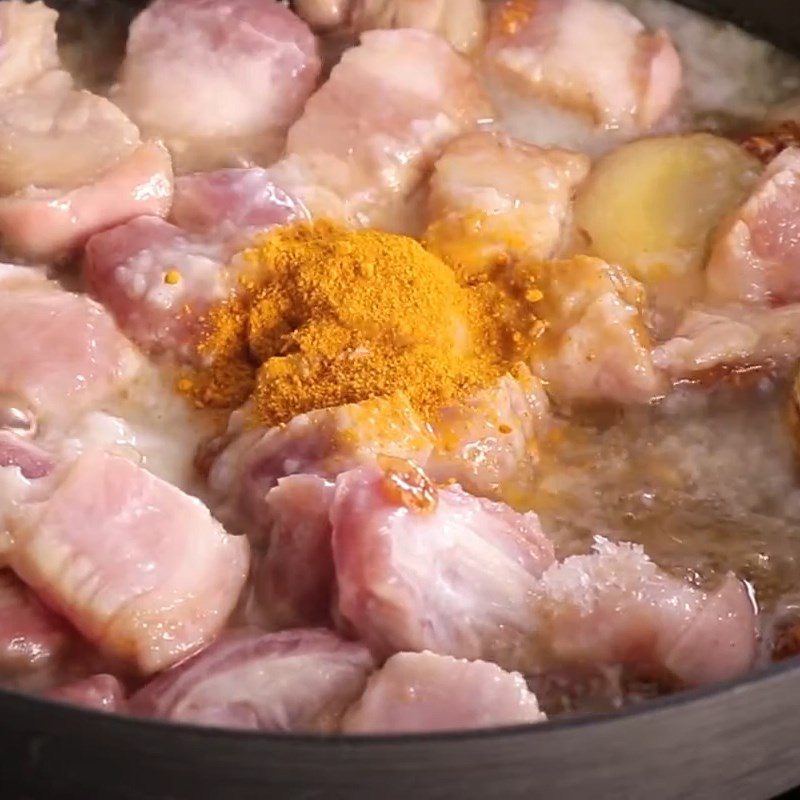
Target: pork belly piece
(62, 351)
(416, 692)
(490, 443)
(139, 568)
(98, 692)
(293, 577)
(730, 338)
(71, 163)
(755, 257)
(27, 42)
(323, 442)
(232, 203)
(589, 56)
(460, 22)
(296, 680)
(159, 278)
(594, 345)
(615, 606)
(219, 82)
(32, 637)
(421, 568)
(368, 137)
(492, 198)
(157, 281)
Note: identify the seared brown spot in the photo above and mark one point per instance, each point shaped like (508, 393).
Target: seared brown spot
(765, 146)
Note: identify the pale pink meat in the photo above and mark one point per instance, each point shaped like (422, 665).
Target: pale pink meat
(454, 574)
(295, 680)
(293, 577)
(157, 281)
(62, 351)
(140, 568)
(98, 692)
(230, 203)
(368, 137)
(731, 337)
(27, 42)
(31, 636)
(416, 692)
(44, 223)
(220, 82)
(493, 197)
(755, 257)
(594, 346)
(615, 606)
(16, 451)
(629, 82)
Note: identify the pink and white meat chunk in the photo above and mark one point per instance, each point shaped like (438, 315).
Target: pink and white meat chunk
(28, 44)
(415, 692)
(368, 137)
(31, 636)
(295, 680)
(61, 351)
(455, 576)
(220, 82)
(756, 254)
(615, 606)
(99, 692)
(20, 452)
(140, 568)
(629, 81)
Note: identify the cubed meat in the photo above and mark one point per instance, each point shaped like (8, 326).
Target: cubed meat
(594, 346)
(726, 339)
(157, 281)
(219, 82)
(421, 568)
(630, 80)
(416, 692)
(62, 351)
(615, 606)
(460, 22)
(493, 198)
(32, 637)
(368, 137)
(755, 257)
(490, 443)
(140, 568)
(98, 692)
(323, 442)
(297, 680)
(27, 42)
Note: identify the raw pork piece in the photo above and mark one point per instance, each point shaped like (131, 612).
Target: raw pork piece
(220, 82)
(492, 198)
(368, 137)
(416, 692)
(323, 442)
(421, 568)
(594, 346)
(489, 444)
(589, 56)
(99, 692)
(17, 451)
(27, 42)
(62, 351)
(460, 22)
(32, 637)
(756, 254)
(297, 680)
(616, 606)
(293, 577)
(71, 163)
(140, 568)
(158, 279)
(729, 339)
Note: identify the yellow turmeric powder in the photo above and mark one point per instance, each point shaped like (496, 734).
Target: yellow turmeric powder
(325, 316)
